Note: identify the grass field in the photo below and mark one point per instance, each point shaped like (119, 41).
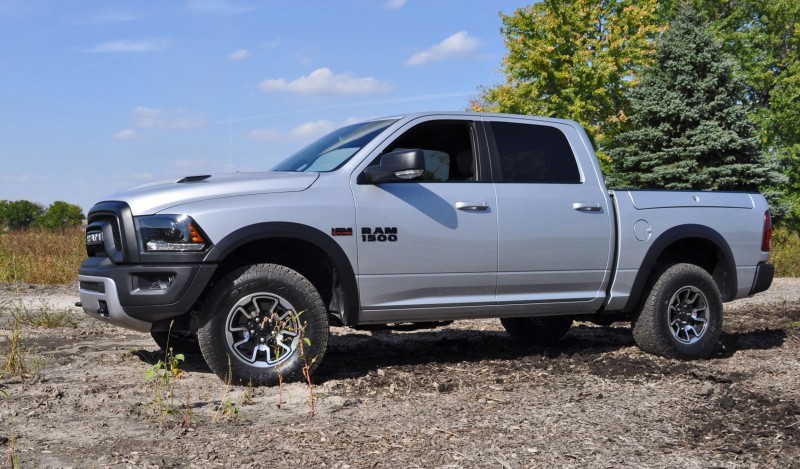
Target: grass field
(53, 257)
(41, 256)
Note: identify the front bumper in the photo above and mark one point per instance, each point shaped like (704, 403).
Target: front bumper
(136, 296)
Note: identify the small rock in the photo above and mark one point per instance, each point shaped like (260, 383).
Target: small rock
(706, 390)
(727, 402)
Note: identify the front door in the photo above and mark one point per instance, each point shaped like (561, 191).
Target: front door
(431, 241)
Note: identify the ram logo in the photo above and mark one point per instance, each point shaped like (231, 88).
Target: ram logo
(379, 234)
(95, 237)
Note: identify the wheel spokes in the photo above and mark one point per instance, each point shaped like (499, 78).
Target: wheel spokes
(688, 314)
(263, 330)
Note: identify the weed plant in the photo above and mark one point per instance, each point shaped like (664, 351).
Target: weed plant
(46, 319)
(227, 408)
(17, 359)
(15, 353)
(162, 376)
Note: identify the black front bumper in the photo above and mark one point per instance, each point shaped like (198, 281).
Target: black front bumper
(142, 292)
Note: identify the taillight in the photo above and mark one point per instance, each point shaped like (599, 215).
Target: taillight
(766, 237)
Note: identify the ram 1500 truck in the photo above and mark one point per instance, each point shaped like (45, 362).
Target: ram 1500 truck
(419, 219)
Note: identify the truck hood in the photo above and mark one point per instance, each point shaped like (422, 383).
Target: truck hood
(160, 195)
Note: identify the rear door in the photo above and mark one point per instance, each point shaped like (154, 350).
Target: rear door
(429, 242)
(554, 224)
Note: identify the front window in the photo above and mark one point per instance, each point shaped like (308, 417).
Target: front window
(333, 150)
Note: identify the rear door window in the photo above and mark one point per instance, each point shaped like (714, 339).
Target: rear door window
(534, 153)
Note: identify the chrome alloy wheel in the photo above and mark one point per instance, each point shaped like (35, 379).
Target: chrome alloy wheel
(263, 330)
(688, 315)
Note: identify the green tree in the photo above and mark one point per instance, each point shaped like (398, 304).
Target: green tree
(764, 38)
(4, 213)
(61, 214)
(689, 126)
(574, 59)
(21, 214)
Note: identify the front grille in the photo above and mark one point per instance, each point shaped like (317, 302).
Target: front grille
(111, 220)
(96, 250)
(98, 287)
(115, 220)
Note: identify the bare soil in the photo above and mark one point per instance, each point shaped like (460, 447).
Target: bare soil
(461, 396)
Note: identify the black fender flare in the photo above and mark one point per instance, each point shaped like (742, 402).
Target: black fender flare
(268, 230)
(671, 236)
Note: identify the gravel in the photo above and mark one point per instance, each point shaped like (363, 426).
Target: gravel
(460, 396)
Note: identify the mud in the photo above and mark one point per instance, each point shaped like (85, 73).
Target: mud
(460, 396)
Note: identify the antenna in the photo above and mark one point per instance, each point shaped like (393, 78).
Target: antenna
(230, 145)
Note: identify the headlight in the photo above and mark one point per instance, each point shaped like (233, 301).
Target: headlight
(171, 233)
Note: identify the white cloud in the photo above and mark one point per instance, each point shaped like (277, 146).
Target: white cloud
(126, 134)
(323, 81)
(146, 45)
(239, 54)
(459, 44)
(306, 131)
(152, 118)
(217, 7)
(395, 4)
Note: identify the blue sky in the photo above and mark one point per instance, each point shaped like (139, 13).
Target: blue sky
(97, 96)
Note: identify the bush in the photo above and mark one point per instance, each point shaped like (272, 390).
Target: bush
(786, 252)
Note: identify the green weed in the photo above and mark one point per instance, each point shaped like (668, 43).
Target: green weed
(227, 408)
(46, 319)
(162, 376)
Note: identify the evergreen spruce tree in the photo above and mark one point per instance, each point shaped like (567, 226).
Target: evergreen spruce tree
(689, 128)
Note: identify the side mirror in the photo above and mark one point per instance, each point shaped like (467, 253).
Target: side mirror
(401, 164)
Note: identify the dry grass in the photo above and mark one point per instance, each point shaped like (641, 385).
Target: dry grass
(41, 256)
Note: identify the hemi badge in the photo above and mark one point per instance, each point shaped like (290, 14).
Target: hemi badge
(341, 232)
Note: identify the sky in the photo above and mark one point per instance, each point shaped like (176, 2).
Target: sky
(97, 96)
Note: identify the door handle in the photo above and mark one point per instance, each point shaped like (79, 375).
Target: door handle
(472, 206)
(587, 207)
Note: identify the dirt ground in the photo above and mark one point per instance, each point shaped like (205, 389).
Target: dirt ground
(460, 396)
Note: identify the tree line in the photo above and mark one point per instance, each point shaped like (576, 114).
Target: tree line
(24, 214)
(678, 94)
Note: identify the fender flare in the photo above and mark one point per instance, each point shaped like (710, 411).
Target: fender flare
(671, 236)
(268, 230)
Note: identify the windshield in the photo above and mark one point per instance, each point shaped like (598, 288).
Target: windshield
(333, 150)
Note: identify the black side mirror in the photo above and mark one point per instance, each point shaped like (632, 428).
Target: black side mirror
(396, 165)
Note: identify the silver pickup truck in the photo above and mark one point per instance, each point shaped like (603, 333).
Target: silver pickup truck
(419, 220)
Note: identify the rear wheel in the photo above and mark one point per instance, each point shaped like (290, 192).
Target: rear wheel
(263, 323)
(682, 314)
(543, 331)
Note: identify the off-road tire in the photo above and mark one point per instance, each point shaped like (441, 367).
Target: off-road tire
(537, 331)
(252, 291)
(178, 341)
(681, 317)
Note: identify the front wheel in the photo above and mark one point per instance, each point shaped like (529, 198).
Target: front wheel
(682, 315)
(261, 324)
